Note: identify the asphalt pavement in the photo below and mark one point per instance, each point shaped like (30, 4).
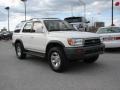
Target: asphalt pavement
(34, 73)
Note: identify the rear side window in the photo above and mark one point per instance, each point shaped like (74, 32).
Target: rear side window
(18, 27)
(27, 28)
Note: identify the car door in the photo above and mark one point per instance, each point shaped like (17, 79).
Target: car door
(26, 35)
(38, 40)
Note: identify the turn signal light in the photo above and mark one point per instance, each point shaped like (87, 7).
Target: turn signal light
(71, 41)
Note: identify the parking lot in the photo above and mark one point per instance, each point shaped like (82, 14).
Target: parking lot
(34, 73)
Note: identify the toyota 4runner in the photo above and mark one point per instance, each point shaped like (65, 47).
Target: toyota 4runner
(57, 41)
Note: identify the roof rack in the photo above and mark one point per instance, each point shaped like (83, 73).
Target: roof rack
(37, 19)
(34, 19)
(25, 21)
(50, 18)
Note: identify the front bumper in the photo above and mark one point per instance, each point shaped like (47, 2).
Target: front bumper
(77, 53)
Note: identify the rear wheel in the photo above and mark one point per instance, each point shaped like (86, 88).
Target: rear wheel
(20, 51)
(57, 59)
(91, 59)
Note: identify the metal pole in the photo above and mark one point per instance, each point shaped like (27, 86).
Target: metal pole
(84, 16)
(25, 9)
(8, 8)
(84, 7)
(8, 21)
(24, 1)
(84, 11)
(112, 23)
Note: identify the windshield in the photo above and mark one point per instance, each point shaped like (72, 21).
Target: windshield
(58, 25)
(109, 30)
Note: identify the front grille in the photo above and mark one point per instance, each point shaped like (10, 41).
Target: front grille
(95, 50)
(92, 42)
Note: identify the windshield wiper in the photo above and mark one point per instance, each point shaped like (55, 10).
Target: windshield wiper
(62, 30)
(54, 30)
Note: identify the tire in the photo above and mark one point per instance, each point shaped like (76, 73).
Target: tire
(91, 59)
(20, 51)
(57, 59)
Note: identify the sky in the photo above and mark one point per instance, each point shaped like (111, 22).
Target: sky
(96, 10)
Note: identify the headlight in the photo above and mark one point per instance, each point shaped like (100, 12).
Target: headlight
(75, 42)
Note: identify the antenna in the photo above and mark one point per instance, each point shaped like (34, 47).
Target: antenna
(72, 10)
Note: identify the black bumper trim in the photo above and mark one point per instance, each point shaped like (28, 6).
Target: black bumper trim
(73, 53)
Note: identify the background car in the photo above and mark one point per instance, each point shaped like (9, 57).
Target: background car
(79, 23)
(110, 36)
(6, 35)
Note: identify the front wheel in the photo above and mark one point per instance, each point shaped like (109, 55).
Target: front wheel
(57, 59)
(91, 59)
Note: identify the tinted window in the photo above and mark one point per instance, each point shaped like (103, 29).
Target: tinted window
(58, 25)
(27, 27)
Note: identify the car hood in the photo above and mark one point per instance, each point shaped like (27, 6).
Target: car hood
(72, 34)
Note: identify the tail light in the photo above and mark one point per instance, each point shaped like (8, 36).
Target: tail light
(117, 38)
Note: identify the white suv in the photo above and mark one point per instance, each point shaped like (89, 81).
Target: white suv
(56, 40)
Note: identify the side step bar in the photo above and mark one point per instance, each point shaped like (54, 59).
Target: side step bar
(38, 54)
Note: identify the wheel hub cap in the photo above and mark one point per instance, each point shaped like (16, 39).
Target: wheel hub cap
(55, 59)
(18, 50)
